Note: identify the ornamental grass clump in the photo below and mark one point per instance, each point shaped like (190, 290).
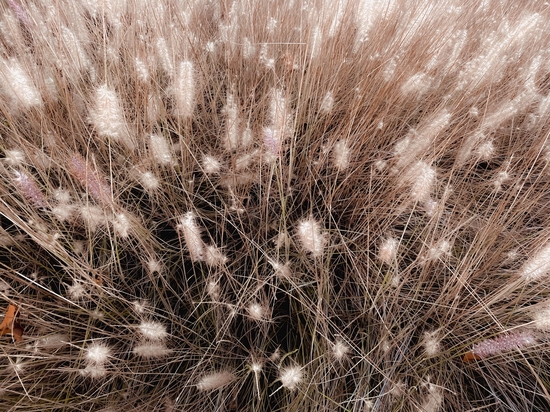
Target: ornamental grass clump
(307, 205)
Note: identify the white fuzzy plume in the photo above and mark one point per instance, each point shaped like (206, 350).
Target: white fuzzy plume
(538, 266)
(107, 116)
(184, 90)
(215, 380)
(192, 236)
(311, 238)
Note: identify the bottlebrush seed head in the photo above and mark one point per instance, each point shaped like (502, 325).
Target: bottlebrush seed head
(341, 155)
(93, 182)
(538, 266)
(160, 150)
(151, 350)
(192, 236)
(153, 330)
(29, 189)
(215, 381)
(18, 85)
(94, 371)
(501, 344)
(107, 116)
(311, 237)
(184, 90)
(541, 318)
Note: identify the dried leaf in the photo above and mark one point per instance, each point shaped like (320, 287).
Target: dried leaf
(470, 357)
(9, 326)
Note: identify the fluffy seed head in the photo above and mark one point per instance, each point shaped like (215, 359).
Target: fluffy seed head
(107, 116)
(93, 217)
(311, 238)
(541, 319)
(211, 165)
(154, 266)
(340, 350)
(315, 43)
(422, 178)
(340, 155)
(434, 399)
(388, 250)
(537, 266)
(14, 157)
(500, 179)
(141, 70)
(139, 306)
(327, 103)
(215, 381)
(213, 256)
(272, 142)
(438, 250)
(76, 53)
(97, 354)
(62, 196)
(164, 56)
(247, 139)
(291, 377)
(51, 342)
(192, 236)
(17, 366)
(151, 350)
(18, 86)
(94, 371)
(256, 311)
(148, 181)
(232, 134)
(160, 150)
(416, 144)
(243, 162)
(417, 85)
(281, 270)
(184, 90)
(213, 290)
(431, 343)
(152, 330)
(76, 290)
(121, 225)
(278, 128)
(485, 151)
